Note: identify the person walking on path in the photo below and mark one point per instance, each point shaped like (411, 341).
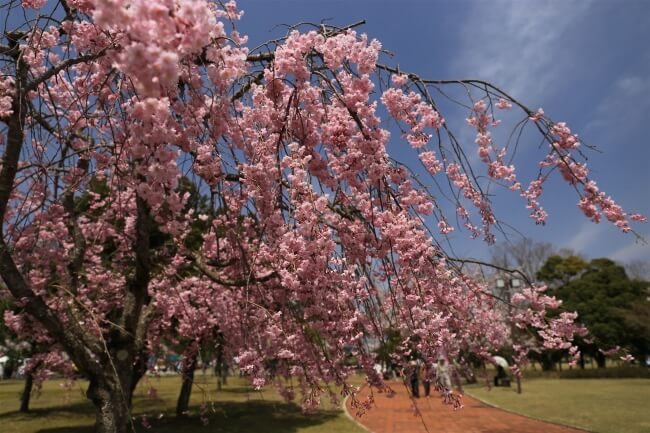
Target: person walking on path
(426, 379)
(415, 379)
(442, 373)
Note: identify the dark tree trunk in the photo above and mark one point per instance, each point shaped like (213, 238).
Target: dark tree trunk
(27, 393)
(218, 368)
(547, 361)
(582, 360)
(220, 361)
(600, 359)
(518, 379)
(183, 404)
(139, 370)
(112, 406)
(112, 393)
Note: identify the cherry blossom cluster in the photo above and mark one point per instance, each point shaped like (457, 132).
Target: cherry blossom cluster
(246, 200)
(412, 111)
(6, 97)
(593, 203)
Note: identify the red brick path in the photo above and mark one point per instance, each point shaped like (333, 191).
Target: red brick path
(396, 415)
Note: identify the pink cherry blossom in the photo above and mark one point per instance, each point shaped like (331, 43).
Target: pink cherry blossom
(169, 188)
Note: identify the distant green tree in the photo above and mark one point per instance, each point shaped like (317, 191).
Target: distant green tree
(613, 307)
(7, 337)
(559, 270)
(392, 339)
(17, 350)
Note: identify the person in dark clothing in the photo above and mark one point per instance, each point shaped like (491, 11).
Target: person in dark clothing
(426, 380)
(501, 375)
(415, 380)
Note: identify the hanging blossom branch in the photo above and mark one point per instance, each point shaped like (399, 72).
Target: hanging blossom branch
(168, 184)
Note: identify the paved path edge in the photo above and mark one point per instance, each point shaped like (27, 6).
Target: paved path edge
(527, 416)
(354, 420)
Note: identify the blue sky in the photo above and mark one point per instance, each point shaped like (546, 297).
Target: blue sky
(585, 62)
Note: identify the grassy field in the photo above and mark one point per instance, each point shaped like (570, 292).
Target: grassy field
(598, 405)
(237, 408)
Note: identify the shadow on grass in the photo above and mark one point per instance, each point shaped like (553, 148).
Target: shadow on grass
(81, 408)
(224, 417)
(237, 390)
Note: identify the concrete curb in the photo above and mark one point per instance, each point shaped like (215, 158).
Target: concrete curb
(349, 415)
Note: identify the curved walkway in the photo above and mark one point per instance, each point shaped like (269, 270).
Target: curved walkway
(397, 414)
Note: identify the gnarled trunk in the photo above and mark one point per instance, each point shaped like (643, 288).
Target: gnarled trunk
(111, 400)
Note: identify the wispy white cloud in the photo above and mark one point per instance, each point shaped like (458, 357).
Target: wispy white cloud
(631, 85)
(586, 237)
(530, 49)
(603, 240)
(518, 43)
(624, 107)
(634, 251)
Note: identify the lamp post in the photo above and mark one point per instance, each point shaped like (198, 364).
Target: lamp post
(505, 285)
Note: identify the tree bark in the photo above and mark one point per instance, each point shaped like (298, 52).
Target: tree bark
(183, 403)
(112, 406)
(600, 359)
(27, 393)
(110, 365)
(218, 368)
(518, 381)
(547, 362)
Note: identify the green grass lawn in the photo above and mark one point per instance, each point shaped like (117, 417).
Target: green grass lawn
(237, 408)
(598, 405)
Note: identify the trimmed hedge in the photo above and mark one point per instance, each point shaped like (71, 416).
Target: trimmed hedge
(622, 372)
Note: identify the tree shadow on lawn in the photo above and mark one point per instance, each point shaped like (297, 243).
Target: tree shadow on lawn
(224, 417)
(71, 409)
(228, 390)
